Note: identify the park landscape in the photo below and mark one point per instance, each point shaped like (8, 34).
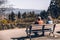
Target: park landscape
(13, 23)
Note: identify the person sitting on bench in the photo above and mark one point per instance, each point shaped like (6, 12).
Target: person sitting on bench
(49, 21)
(39, 21)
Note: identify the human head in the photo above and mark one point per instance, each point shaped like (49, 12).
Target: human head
(49, 18)
(39, 18)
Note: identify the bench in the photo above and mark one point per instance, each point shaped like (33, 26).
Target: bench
(35, 28)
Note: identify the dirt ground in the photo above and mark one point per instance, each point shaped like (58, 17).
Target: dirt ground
(13, 33)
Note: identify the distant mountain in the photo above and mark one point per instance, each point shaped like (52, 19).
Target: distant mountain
(9, 10)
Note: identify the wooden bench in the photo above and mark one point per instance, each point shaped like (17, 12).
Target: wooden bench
(34, 28)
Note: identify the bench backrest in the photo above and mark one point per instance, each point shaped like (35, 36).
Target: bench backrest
(47, 26)
(36, 26)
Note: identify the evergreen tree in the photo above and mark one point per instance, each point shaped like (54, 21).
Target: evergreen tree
(24, 15)
(9, 17)
(19, 15)
(43, 14)
(33, 14)
(29, 15)
(12, 16)
(54, 8)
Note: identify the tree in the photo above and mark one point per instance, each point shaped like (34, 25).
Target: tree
(24, 15)
(54, 8)
(43, 14)
(19, 15)
(9, 17)
(31, 14)
(12, 16)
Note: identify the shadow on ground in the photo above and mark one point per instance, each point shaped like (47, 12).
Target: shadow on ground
(37, 36)
(27, 37)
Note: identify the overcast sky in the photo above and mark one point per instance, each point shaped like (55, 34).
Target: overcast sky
(30, 4)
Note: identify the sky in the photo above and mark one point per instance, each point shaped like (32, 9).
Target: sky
(30, 4)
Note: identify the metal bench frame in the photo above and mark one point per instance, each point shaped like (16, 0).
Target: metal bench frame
(29, 30)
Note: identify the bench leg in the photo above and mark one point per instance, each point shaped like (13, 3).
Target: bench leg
(52, 34)
(27, 32)
(30, 37)
(30, 32)
(43, 30)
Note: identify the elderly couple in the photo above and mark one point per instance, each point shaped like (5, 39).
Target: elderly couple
(40, 21)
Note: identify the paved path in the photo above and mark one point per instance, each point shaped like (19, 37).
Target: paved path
(7, 34)
(11, 33)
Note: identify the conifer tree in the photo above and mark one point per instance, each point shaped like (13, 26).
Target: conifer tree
(54, 8)
(19, 15)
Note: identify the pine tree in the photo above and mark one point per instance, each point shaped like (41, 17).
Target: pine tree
(43, 14)
(12, 16)
(9, 17)
(19, 15)
(54, 8)
(24, 15)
